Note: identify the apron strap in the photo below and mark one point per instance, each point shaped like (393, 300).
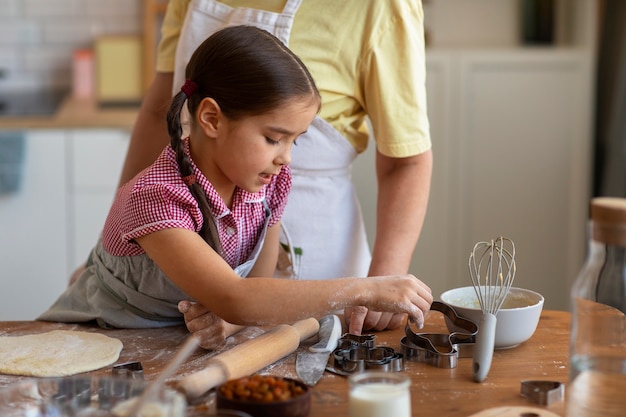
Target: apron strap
(291, 7)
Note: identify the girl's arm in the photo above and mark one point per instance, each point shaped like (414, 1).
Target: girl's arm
(199, 271)
(210, 329)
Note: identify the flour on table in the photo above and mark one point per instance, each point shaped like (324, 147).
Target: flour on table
(57, 353)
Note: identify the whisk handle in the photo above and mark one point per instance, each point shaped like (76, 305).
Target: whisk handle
(483, 350)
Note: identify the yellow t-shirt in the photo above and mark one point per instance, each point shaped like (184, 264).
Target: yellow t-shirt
(367, 58)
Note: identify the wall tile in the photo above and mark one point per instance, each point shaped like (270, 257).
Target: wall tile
(20, 32)
(37, 37)
(9, 8)
(113, 8)
(51, 8)
(65, 32)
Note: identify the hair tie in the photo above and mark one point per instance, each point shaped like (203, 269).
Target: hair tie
(189, 179)
(189, 88)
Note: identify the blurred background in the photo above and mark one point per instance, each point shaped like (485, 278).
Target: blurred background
(524, 98)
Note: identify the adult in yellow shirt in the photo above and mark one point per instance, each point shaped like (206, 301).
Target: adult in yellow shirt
(368, 60)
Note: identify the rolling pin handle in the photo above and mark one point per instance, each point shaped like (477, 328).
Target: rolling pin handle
(248, 357)
(306, 328)
(195, 385)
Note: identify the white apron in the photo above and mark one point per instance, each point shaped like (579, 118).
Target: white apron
(323, 217)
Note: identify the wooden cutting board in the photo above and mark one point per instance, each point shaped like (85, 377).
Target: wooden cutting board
(515, 412)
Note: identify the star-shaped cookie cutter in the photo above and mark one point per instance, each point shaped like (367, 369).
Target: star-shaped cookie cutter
(356, 353)
(438, 349)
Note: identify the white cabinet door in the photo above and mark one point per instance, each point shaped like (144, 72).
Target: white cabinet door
(524, 162)
(33, 255)
(96, 158)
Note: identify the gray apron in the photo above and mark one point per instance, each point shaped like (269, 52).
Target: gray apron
(323, 225)
(129, 291)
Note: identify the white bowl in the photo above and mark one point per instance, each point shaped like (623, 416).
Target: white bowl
(517, 319)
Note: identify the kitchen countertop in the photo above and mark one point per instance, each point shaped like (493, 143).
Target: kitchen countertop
(75, 113)
(434, 391)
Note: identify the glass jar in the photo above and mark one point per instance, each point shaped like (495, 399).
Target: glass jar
(598, 330)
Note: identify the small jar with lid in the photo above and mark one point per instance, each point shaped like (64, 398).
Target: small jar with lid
(598, 331)
(83, 74)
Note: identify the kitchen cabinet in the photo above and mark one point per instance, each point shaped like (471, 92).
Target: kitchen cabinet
(49, 226)
(521, 163)
(95, 160)
(33, 226)
(512, 133)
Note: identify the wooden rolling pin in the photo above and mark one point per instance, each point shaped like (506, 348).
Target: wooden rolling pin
(248, 357)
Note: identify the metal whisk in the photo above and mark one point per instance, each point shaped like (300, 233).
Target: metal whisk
(492, 270)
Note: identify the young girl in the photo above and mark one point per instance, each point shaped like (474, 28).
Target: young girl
(206, 214)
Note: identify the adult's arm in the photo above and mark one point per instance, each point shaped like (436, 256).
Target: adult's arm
(403, 191)
(394, 93)
(149, 135)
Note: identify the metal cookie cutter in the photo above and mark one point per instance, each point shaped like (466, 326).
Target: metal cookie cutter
(358, 353)
(441, 350)
(542, 392)
(348, 340)
(132, 370)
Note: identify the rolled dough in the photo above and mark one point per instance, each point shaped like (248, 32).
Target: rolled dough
(57, 353)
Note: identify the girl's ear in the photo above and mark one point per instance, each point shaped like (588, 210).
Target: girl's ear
(209, 114)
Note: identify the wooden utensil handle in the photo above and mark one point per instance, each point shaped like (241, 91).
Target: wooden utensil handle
(248, 357)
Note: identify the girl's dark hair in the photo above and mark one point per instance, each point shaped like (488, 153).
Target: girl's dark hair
(247, 71)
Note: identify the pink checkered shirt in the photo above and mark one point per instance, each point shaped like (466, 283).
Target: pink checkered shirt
(157, 199)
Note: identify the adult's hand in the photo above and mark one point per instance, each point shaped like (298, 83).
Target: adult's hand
(210, 329)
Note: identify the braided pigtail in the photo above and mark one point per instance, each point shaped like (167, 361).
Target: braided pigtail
(208, 231)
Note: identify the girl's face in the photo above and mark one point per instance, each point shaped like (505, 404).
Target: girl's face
(247, 153)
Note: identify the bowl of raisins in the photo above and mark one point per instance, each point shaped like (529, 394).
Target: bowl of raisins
(265, 396)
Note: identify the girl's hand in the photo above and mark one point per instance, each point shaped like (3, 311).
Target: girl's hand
(210, 329)
(360, 319)
(393, 294)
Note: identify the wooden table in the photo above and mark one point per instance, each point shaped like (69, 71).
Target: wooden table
(434, 391)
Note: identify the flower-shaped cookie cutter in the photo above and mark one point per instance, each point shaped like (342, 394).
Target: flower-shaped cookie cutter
(356, 353)
(438, 349)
